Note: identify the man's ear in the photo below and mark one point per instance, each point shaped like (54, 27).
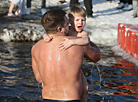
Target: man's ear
(59, 29)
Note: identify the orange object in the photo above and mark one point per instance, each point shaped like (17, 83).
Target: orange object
(129, 39)
(135, 46)
(123, 36)
(120, 25)
(122, 33)
(126, 33)
(119, 32)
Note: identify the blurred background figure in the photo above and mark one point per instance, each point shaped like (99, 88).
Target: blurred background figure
(125, 5)
(43, 7)
(109, 0)
(61, 2)
(20, 10)
(87, 4)
(135, 8)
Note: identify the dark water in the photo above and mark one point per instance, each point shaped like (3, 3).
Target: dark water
(116, 80)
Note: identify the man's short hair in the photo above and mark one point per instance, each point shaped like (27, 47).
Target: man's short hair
(76, 10)
(53, 19)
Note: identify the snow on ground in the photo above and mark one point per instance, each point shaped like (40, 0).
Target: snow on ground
(104, 25)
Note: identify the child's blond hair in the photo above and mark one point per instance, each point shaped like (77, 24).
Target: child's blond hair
(76, 10)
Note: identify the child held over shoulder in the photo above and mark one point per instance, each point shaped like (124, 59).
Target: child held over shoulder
(77, 20)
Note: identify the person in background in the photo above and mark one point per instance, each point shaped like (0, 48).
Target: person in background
(57, 70)
(135, 8)
(109, 0)
(125, 5)
(61, 2)
(88, 6)
(43, 7)
(20, 10)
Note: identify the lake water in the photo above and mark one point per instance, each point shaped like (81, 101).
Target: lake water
(116, 80)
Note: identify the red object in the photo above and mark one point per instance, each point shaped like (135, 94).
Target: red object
(126, 33)
(120, 25)
(123, 36)
(129, 39)
(135, 46)
(119, 32)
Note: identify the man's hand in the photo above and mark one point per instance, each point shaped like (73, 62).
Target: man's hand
(47, 38)
(65, 44)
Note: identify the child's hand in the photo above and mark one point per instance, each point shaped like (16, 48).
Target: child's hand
(47, 38)
(65, 44)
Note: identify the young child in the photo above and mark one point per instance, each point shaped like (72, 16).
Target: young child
(77, 19)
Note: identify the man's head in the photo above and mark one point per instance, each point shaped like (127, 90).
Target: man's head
(77, 17)
(55, 21)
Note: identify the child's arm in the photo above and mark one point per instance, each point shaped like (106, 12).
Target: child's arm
(79, 41)
(47, 38)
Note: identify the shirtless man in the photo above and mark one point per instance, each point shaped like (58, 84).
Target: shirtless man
(60, 71)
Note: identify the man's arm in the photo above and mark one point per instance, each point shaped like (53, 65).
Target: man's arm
(35, 68)
(92, 52)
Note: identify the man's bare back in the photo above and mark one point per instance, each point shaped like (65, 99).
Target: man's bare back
(59, 70)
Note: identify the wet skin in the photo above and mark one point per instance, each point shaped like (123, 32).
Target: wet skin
(60, 71)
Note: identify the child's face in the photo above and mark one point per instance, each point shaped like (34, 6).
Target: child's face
(78, 23)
